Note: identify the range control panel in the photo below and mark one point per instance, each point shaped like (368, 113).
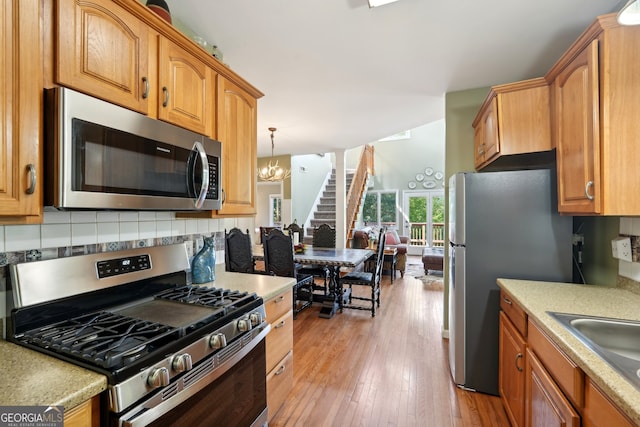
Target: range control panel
(115, 267)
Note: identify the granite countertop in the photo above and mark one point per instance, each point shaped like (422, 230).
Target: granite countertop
(32, 378)
(536, 298)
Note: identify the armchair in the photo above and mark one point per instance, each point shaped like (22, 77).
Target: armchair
(401, 243)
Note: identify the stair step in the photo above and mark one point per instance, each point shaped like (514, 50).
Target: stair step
(326, 208)
(328, 201)
(325, 215)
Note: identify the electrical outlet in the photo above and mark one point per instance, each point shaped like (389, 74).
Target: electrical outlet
(621, 248)
(578, 239)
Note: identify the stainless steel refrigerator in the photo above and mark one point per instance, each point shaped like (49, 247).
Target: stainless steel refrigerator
(501, 224)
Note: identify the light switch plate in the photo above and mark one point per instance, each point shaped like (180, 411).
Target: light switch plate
(621, 248)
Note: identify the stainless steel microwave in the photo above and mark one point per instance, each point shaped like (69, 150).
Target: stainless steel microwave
(102, 156)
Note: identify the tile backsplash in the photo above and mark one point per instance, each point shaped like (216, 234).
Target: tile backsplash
(63, 234)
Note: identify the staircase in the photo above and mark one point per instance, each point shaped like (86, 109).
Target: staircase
(356, 185)
(326, 209)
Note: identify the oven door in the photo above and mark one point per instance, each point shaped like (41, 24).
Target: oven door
(234, 394)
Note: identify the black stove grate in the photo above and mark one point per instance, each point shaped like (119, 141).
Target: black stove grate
(106, 339)
(229, 300)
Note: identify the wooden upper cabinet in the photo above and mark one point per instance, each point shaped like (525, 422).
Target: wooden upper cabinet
(186, 89)
(595, 110)
(577, 123)
(103, 50)
(514, 119)
(20, 112)
(237, 120)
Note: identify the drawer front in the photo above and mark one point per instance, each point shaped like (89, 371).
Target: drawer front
(515, 313)
(279, 305)
(567, 374)
(599, 411)
(279, 384)
(280, 339)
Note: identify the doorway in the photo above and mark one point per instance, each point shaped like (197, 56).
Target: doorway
(423, 219)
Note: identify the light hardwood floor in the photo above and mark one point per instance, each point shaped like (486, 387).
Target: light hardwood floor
(391, 370)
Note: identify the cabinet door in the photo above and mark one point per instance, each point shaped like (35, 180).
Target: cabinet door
(20, 112)
(186, 89)
(576, 113)
(237, 117)
(546, 406)
(486, 134)
(102, 50)
(512, 378)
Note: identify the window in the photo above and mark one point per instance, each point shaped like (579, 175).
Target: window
(380, 208)
(275, 202)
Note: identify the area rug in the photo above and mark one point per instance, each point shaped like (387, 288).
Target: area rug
(432, 282)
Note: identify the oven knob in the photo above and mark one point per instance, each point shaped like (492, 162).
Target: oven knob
(217, 341)
(244, 324)
(182, 362)
(159, 377)
(256, 318)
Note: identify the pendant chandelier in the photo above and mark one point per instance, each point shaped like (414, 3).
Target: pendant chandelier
(271, 171)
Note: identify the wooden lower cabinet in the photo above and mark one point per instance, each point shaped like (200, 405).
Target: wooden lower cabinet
(279, 384)
(511, 381)
(279, 349)
(84, 415)
(546, 405)
(599, 411)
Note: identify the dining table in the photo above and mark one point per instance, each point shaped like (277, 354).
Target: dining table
(334, 259)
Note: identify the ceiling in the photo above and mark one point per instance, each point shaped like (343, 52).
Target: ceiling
(337, 74)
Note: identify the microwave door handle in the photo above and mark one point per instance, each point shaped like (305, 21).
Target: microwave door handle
(204, 188)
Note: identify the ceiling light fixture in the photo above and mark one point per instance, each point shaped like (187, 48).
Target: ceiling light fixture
(273, 172)
(376, 3)
(630, 13)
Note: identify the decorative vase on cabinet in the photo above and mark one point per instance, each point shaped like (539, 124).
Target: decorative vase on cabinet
(204, 263)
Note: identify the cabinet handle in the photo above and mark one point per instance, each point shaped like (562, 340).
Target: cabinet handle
(281, 370)
(224, 196)
(279, 299)
(586, 190)
(280, 325)
(518, 357)
(145, 91)
(165, 91)
(507, 301)
(32, 179)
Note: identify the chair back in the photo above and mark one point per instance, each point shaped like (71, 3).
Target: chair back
(264, 231)
(377, 273)
(238, 256)
(278, 254)
(324, 236)
(294, 228)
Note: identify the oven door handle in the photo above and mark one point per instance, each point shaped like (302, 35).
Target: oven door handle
(139, 419)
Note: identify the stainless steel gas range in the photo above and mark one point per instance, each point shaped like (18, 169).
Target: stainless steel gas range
(172, 352)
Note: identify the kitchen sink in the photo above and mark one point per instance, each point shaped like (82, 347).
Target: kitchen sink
(617, 341)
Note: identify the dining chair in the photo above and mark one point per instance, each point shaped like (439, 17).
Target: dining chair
(238, 256)
(370, 278)
(294, 228)
(264, 231)
(324, 236)
(279, 261)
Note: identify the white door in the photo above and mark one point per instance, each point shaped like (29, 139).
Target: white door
(423, 219)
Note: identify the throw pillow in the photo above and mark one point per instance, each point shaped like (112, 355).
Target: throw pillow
(393, 238)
